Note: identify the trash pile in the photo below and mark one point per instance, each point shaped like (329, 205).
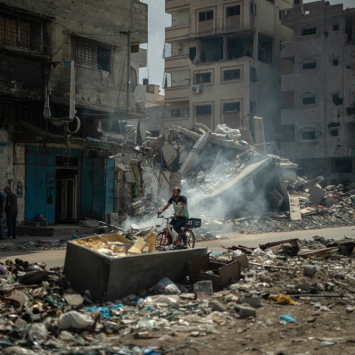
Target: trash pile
(285, 296)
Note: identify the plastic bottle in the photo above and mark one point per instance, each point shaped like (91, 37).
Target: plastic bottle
(38, 332)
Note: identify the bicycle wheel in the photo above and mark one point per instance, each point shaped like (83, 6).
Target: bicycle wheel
(190, 238)
(162, 240)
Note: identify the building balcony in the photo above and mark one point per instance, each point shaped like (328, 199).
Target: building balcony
(177, 33)
(176, 5)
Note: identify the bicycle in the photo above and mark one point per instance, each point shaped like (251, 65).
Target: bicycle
(163, 237)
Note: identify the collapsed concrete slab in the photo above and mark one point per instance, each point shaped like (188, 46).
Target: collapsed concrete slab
(243, 177)
(108, 278)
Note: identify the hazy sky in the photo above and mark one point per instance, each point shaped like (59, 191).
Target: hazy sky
(157, 21)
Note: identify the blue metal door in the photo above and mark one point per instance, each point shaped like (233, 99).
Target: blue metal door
(110, 186)
(40, 186)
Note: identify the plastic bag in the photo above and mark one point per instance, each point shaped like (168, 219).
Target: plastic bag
(75, 320)
(38, 332)
(282, 299)
(166, 287)
(146, 323)
(287, 318)
(159, 301)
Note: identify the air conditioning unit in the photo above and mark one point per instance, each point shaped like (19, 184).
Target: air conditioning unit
(196, 89)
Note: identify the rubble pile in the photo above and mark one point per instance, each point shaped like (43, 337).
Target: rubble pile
(285, 296)
(250, 190)
(38, 245)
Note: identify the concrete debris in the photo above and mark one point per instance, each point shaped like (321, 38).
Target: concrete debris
(243, 190)
(50, 317)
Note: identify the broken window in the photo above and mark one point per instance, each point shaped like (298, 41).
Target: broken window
(203, 110)
(231, 74)
(150, 89)
(193, 52)
(309, 31)
(336, 27)
(93, 57)
(335, 62)
(175, 113)
(22, 33)
(205, 16)
(310, 65)
(253, 76)
(252, 9)
(231, 107)
(344, 166)
(309, 100)
(203, 78)
(233, 11)
(337, 100)
(334, 132)
(308, 135)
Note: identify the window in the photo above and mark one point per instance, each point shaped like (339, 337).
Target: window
(309, 100)
(253, 76)
(93, 57)
(334, 132)
(231, 107)
(309, 31)
(150, 89)
(231, 74)
(233, 11)
(203, 78)
(175, 113)
(344, 166)
(310, 65)
(335, 62)
(308, 135)
(205, 16)
(336, 27)
(23, 33)
(252, 9)
(252, 106)
(204, 110)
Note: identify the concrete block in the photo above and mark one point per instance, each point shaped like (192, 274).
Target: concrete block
(245, 311)
(251, 301)
(218, 306)
(316, 194)
(169, 153)
(108, 278)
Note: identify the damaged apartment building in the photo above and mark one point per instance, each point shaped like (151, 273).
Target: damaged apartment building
(223, 63)
(318, 119)
(68, 83)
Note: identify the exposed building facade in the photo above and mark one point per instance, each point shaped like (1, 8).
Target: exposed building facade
(318, 126)
(68, 75)
(223, 62)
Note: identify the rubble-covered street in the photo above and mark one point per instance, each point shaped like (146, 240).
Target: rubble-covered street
(307, 283)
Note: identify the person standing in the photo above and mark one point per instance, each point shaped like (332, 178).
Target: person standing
(11, 213)
(2, 213)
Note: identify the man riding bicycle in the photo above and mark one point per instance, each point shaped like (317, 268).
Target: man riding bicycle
(181, 212)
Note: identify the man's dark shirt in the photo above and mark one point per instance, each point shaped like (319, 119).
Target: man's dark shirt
(12, 199)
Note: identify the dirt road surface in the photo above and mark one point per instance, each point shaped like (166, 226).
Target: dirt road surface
(56, 257)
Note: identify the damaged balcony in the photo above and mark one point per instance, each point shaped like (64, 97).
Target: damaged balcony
(177, 110)
(173, 5)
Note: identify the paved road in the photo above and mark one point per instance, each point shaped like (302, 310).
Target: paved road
(55, 258)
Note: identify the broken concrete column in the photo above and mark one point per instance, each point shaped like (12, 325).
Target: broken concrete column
(312, 182)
